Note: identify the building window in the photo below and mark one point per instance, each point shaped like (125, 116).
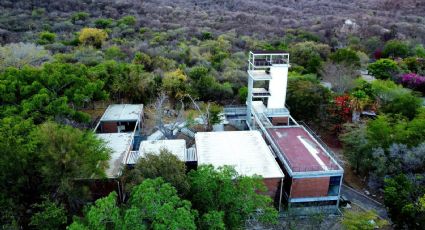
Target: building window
(334, 184)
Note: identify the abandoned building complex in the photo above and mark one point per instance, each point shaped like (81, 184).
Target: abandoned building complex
(296, 167)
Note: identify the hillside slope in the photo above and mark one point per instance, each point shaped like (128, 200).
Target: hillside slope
(268, 17)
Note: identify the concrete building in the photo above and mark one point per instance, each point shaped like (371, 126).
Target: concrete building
(121, 146)
(246, 151)
(312, 176)
(120, 128)
(121, 118)
(176, 147)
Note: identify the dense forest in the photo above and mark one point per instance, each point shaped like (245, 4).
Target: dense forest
(59, 58)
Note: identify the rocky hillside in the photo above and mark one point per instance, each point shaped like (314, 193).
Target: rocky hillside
(19, 18)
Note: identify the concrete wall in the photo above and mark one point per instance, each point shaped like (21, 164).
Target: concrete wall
(309, 187)
(277, 87)
(109, 127)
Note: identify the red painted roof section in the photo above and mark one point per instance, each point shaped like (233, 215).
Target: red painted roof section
(295, 152)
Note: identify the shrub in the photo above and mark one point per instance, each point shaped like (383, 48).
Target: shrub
(80, 16)
(384, 69)
(114, 53)
(88, 56)
(419, 51)
(143, 59)
(103, 23)
(206, 36)
(92, 36)
(243, 94)
(127, 20)
(197, 72)
(46, 38)
(415, 65)
(21, 54)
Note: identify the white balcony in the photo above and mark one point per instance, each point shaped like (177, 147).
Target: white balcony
(259, 75)
(260, 93)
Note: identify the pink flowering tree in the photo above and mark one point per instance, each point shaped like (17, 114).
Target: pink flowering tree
(413, 81)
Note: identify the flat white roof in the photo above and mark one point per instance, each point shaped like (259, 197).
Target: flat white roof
(123, 112)
(120, 143)
(245, 150)
(176, 147)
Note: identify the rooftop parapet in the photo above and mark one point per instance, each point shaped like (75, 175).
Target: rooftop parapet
(265, 59)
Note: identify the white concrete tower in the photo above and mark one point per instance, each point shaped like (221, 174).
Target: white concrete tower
(267, 83)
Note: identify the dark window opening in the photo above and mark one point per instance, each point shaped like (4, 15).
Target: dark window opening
(334, 184)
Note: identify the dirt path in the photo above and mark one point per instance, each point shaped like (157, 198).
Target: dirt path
(364, 202)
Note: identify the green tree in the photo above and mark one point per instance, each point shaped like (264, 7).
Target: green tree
(17, 170)
(223, 190)
(175, 84)
(396, 48)
(306, 98)
(65, 154)
(353, 220)
(404, 104)
(213, 114)
(384, 69)
(346, 56)
(53, 91)
(157, 203)
(104, 214)
(123, 80)
(51, 215)
(309, 55)
(165, 165)
(356, 148)
(153, 204)
(212, 221)
(372, 44)
(395, 99)
(400, 196)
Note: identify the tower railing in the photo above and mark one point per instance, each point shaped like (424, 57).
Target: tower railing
(265, 59)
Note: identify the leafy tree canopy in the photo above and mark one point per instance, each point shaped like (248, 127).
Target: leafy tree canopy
(384, 69)
(223, 190)
(153, 204)
(165, 165)
(396, 48)
(346, 57)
